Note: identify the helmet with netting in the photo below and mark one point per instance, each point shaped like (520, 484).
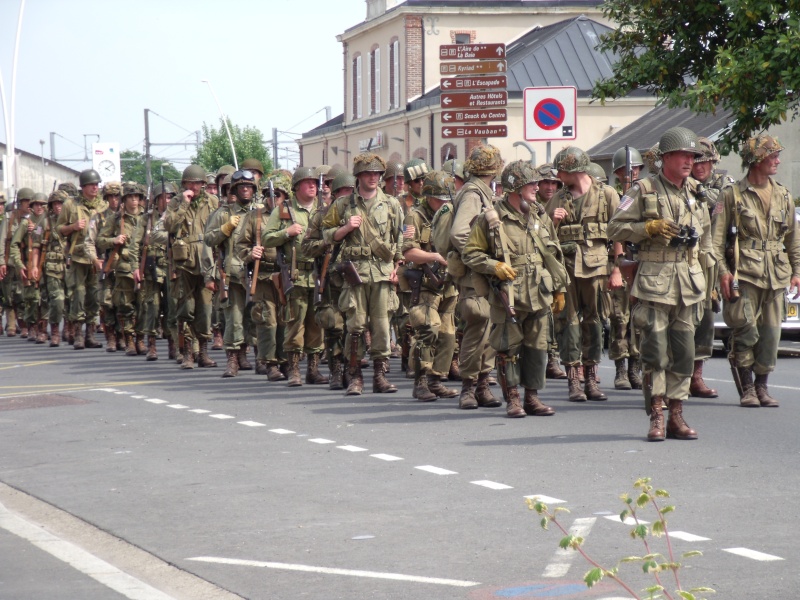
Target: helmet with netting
(368, 162)
(484, 160)
(70, 188)
(280, 182)
(393, 169)
(58, 196)
(518, 174)
(112, 188)
(618, 161)
(710, 153)
(439, 185)
(131, 188)
(758, 148)
(546, 172)
(571, 160)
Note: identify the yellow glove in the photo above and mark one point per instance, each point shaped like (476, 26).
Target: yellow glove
(228, 227)
(661, 227)
(558, 303)
(504, 272)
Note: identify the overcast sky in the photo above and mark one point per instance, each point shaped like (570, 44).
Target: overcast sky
(93, 66)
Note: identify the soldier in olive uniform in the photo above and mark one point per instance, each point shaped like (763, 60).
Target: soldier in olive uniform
(455, 168)
(712, 184)
(662, 216)
(580, 212)
(2, 256)
(12, 282)
(765, 252)
(121, 236)
(54, 268)
(82, 279)
(414, 173)
(285, 230)
(186, 218)
(394, 180)
(368, 224)
(507, 244)
(431, 317)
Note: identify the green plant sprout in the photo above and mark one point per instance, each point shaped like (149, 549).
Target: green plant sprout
(653, 563)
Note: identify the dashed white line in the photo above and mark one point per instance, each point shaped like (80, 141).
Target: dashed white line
(321, 441)
(754, 554)
(123, 393)
(545, 499)
(436, 470)
(252, 423)
(111, 390)
(627, 521)
(178, 406)
(352, 448)
(492, 485)
(221, 416)
(155, 401)
(200, 411)
(138, 397)
(282, 431)
(387, 457)
(687, 537)
(563, 558)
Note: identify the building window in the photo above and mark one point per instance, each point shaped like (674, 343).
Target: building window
(357, 114)
(394, 74)
(462, 36)
(375, 81)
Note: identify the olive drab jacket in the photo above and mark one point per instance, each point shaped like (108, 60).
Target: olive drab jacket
(214, 238)
(474, 198)
(55, 259)
(72, 211)
(583, 233)
(18, 256)
(511, 240)
(246, 238)
(126, 258)
(421, 218)
(667, 273)
(274, 236)
(186, 221)
(769, 242)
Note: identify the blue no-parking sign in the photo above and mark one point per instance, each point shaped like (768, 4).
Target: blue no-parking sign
(550, 113)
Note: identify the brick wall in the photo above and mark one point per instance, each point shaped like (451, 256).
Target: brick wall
(414, 56)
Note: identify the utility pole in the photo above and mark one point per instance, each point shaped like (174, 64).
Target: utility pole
(275, 147)
(147, 165)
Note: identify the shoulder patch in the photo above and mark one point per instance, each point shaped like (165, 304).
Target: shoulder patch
(625, 203)
(717, 208)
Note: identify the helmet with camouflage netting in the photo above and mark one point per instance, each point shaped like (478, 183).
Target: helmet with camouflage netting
(439, 185)
(131, 188)
(652, 158)
(58, 196)
(571, 160)
(679, 139)
(323, 170)
(280, 183)
(758, 148)
(546, 172)
(518, 174)
(455, 168)
(710, 153)
(112, 188)
(368, 162)
(343, 180)
(194, 173)
(70, 188)
(484, 160)
(618, 160)
(415, 169)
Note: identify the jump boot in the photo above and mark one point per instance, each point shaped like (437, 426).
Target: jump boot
(140, 347)
(218, 343)
(553, 370)
(313, 376)
(203, 359)
(483, 393)
(514, 408)
(336, 366)
(656, 432)
(356, 385)
(244, 364)
(421, 391)
(187, 360)
(171, 350)
(130, 345)
(55, 336)
(676, 426)
(621, 381)
(467, 399)
(23, 329)
(91, 342)
(33, 332)
(379, 383)
(152, 352)
(590, 388)
(698, 387)
(274, 373)
(78, 344)
(635, 373)
(454, 374)
(11, 324)
(42, 337)
(575, 392)
(763, 394)
(232, 366)
(535, 407)
(436, 386)
(261, 366)
(293, 360)
(111, 340)
(749, 397)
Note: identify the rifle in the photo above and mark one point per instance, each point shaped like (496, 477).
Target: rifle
(287, 272)
(322, 281)
(43, 249)
(284, 282)
(276, 281)
(628, 170)
(8, 234)
(114, 255)
(497, 287)
(319, 189)
(350, 273)
(271, 196)
(146, 243)
(30, 259)
(254, 279)
(432, 272)
(223, 293)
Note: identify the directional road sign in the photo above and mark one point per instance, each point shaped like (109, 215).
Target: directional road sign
(474, 99)
(472, 68)
(550, 113)
(474, 116)
(496, 82)
(471, 51)
(467, 131)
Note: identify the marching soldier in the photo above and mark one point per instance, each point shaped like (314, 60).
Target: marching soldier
(662, 216)
(755, 229)
(2, 255)
(54, 267)
(413, 176)
(12, 282)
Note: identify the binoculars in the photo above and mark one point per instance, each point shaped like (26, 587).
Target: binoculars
(687, 236)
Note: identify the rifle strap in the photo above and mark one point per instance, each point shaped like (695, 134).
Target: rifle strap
(738, 202)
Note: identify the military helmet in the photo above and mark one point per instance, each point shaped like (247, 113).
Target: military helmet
(546, 172)
(597, 172)
(69, 188)
(618, 160)
(679, 139)
(58, 196)
(131, 188)
(112, 188)
(518, 174)
(226, 180)
(652, 159)
(710, 153)
(25, 193)
(280, 182)
(224, 170)
(88, 177)
(194, 173)
(438, 184)
(335, 171)
(484, 160)
(158, 190)
(252, 164)
(393, 169)
(323, 170)
(243, 177)
(211, 179)
(571, 160)
(368, 162)
(301, 173)
(415, 169)
(343, 180)
(758, 148)
(39, 198)
(455, 168)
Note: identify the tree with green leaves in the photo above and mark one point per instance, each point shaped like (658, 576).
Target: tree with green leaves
(215, 149)
(133, 168)
(707, 55)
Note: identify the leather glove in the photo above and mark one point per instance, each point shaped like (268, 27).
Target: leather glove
(504, 272)
(228, 227)
(559, 301)
(662, 227)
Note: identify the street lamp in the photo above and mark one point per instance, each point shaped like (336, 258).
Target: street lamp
(224, 121)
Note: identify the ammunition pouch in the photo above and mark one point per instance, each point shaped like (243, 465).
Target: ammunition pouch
(381, 250)
(455, 266)
(180, 250)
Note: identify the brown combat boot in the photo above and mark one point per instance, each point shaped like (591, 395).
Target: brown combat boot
(553, 369)
(313, 376)
(590, 388)
(656, 432)
(91, 341)
(171, 350)
(533, 406)
(621, 381)
(78, 344)
(421, 391)
(42, 337)
(11, 325)
(356, 385)
(111, 340)
(763, 393)
(152, 351)
(436, 386)
(337, 372)
(130, 345)
(33, 333)
(483, 394)
(635, 373)
(514, 409)
(140, 347)
(69, 334)
(232, 366)
(467, 399)
(581, 374)
(698, 387)
(23, 329)
(293, 360)
(676, 426)
(218, 344)
(55, 336)
(379, 383)
(244, 364)
(575, 392)
(274, 373)
(186, 359)
(454, 374)
(749, 398)
(203, 359)
(261, 366)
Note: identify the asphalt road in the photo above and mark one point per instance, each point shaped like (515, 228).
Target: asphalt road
(128, 479)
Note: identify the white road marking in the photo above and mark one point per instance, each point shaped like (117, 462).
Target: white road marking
(123, 393)
(155, 401)
(321, 441)
(138, 397)
(79, 559)
(436, 470)
(627, 521)
(329, 571)
(387, 457)
(200, 411)
(352, 448)
(112, 390)
(754, 554)
(281, 431)
(687, 537)
(252, 423)
(221, 416)
(178, 406)
(546, 499)
(562, 559)
(492, 485)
